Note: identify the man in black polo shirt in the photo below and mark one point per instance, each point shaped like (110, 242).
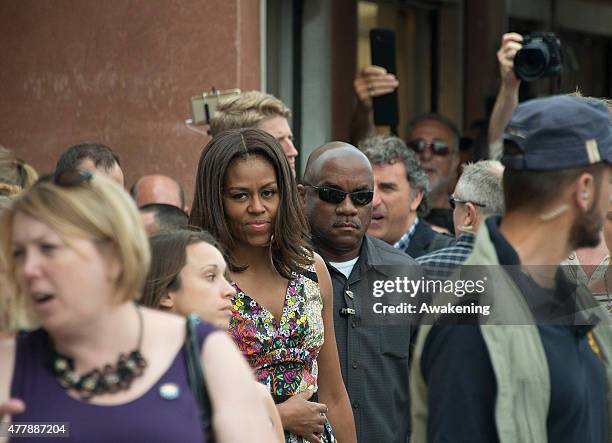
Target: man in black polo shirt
(538, 367)
(374, 358)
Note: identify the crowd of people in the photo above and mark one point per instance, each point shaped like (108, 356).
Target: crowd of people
(247, 314)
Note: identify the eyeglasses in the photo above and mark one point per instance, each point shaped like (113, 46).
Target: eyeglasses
(336, 196)
(452, 201)
(438, 147)
(68, 178)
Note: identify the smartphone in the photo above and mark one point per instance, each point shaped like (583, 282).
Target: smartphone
(203, 106)
(386, 107)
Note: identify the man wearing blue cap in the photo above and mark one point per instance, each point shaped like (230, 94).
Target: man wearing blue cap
(539, 367)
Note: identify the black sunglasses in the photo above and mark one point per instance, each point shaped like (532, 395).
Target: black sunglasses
(452, 201)
(438, 147)
(68, 178)
(336, 196)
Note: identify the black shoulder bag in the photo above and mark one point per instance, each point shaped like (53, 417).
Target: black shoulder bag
(195, 377)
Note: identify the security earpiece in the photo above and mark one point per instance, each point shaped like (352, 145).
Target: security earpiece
(585, 195)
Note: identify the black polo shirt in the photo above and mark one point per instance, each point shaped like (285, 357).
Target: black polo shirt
(374, 358)
(462, 386)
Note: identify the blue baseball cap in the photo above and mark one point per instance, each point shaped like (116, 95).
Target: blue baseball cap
(557, 133)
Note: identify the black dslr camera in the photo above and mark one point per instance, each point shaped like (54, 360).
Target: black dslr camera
(539, 57)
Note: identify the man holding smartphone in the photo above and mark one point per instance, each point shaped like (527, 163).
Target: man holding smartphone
(433, 138)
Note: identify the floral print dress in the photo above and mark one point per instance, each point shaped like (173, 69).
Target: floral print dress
(283, 351)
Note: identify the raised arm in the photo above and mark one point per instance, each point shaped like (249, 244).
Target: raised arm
(331, 386)
(372, 81)
(507, 97)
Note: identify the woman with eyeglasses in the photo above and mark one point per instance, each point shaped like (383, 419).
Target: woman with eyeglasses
(281, 319)
(100, 367)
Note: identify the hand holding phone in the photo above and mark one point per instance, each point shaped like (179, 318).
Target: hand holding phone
(373, 81)
(382, 47)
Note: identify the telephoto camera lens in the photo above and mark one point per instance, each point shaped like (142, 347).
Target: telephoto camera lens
(539, 57)
(533, 62)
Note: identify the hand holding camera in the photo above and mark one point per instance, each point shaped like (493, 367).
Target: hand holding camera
(521, 58)
(510, 45)
(528, 57)
(539, 57)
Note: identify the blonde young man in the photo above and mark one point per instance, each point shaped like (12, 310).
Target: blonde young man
(256, 109)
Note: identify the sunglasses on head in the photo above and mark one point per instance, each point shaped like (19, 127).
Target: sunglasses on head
(68, 178)
(438, 147)
(453, 201)
(336, 196)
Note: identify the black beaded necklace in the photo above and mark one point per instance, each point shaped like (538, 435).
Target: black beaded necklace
(109, 379)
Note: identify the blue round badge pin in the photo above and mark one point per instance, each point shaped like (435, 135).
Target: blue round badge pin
(169, 391)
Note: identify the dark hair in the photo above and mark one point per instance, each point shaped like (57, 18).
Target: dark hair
(168, 258)
(134, 191)
(101, 155)
(534, 190)
(290, 247)
(168, 217)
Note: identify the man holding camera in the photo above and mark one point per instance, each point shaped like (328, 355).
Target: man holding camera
(587, 263)
(508, 95)
(528, 58)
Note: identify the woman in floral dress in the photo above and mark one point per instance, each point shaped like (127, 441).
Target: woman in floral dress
(282, 311)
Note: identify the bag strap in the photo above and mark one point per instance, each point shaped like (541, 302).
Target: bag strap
(195, 376)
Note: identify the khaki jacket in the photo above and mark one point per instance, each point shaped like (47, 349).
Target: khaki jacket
(517, 356)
